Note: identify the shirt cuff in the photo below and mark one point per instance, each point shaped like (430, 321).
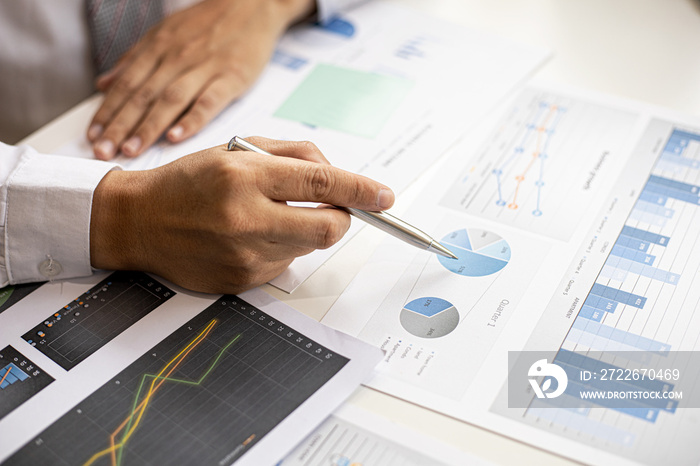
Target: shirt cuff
(49, 203)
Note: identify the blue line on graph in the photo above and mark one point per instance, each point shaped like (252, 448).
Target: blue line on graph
(542, 156)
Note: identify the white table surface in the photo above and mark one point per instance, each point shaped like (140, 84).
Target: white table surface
(646, 50)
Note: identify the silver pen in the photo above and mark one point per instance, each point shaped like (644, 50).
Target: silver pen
(382, 220)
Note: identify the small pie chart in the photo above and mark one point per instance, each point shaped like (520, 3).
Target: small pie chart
(480, 252)
(429, 317)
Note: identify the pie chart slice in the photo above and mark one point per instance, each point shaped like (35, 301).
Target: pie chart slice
(429, 317)
(480, 252)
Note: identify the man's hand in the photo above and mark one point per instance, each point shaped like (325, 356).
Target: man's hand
(185, 70)
(217, 221)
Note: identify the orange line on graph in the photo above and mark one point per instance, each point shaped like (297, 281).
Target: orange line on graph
(521, 177)
(9, 368)
(141, 408)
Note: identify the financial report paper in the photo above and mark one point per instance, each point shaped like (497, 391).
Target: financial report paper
(122, 368)
(353, 436)
(566, 198)
(384, 102)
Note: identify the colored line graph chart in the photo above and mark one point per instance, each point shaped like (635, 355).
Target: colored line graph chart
(541, 129)
(131, 423)
(205, 395)
(542, 166)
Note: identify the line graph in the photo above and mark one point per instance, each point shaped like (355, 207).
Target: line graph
(204, 395)
(543, 132)
(129, 425)
(543, 165)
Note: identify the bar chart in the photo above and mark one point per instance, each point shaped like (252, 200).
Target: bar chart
(20, 379)
(644, 302)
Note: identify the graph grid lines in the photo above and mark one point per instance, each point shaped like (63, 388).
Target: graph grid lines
(629, 308)
(208, 392)
(83, 326)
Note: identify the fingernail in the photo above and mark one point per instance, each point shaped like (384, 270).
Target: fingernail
(175, 133)
(385, 199)
(104, 149)
(94, 132)
(132, 145)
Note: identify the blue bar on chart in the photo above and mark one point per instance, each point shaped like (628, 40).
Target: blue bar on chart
(591, 313)
(673, 184)
(673, 189)
(645, 235)
(617, 268)
(608, 333)
(622, 297)
(633, 243)
(632, 254)
(654, 209)
(652, 198)
(11, 374)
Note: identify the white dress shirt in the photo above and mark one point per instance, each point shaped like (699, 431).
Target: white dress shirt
(46, 200)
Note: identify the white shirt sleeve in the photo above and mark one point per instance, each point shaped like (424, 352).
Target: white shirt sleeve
(329, 8)
(45, 207)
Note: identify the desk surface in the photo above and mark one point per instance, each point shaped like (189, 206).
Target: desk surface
(647, 50)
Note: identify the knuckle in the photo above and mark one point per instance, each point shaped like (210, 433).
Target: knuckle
(194, 118)
(189, 50)
(174, 95)
(207, 101)
(320, 182)
(126, 84)
(330, 233)
(143, 97)
(308, 146)
(162, 37)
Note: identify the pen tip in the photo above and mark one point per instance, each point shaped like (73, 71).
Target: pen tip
(442, 250)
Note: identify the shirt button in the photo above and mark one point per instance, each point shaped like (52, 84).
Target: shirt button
(50, 268)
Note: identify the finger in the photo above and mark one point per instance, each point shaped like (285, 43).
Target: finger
(125, 85)
(307, 227)
(288, 180)
(212, 100)
(106, 79)
(166, 108)
(138, 105)
(303, 150)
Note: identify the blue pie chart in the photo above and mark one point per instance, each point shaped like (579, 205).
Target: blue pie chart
(429, 317)
(480, 252)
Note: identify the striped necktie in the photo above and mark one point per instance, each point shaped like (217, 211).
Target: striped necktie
(116, 25)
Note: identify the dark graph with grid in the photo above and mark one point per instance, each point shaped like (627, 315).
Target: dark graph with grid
(204, 395)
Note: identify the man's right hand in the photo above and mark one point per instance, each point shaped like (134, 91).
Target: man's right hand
(217, 221)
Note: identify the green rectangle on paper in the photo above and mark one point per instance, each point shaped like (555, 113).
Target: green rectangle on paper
(351, 101)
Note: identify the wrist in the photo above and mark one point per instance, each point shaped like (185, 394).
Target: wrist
(114, 222)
